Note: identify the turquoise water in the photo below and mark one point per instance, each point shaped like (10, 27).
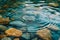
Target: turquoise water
(30, 17)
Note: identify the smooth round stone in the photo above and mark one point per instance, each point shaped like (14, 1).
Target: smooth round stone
(16, 39)
(4, 20)
(26, 35)
(53, 27)
(23, 29)
(44, 33)
(13, 32)
(17, 23)
(35, 39)
(54, 4)
(32, 28)
(2, 36)
(30, 18)
(3, 27)
(6, 38)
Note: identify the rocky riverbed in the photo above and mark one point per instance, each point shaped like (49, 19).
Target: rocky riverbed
(29, 21)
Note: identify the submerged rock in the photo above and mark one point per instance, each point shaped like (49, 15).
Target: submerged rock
(3, 27)
(16, 39)
(6, 6)
(17, 23)
(53, 27)
(13, 32)
(2, 36)
(23, 29)
(54, 4)
(6, 38)
(26, 36)
(44, 34)
(4, 20)
(35, 39)
(1, 11)
(29, 18)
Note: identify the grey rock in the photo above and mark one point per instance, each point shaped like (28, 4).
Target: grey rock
(26, 36)
(6, 38)
(3, 27)
(17, 23)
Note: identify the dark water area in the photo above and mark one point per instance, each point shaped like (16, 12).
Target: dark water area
(30, 20)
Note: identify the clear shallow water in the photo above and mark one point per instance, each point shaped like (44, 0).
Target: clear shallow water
(33, 17)
(38, 17)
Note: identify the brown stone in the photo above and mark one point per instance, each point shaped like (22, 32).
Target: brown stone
(16, 39)
(12, 19)
(3, 27)
(44, 34)
(6, 6)
(13, 32)
(2, 11)
(53, 27)
(2, 36)
(4, 20)
(54, 4)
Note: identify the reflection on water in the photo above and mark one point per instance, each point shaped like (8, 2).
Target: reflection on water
(41, 14)
(33, 19)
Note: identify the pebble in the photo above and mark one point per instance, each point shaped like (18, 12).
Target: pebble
(30, 18)
(4, 20)
(5, 6)
(54, 4)
(13, 32)
(17, 23)
(35, 39)
(23, 29)
(16, 39)
(26, 36)
(2, 36)
(44, 33)
(2, 11)
(3, 27)
(6, 38)
(53, 27)
(15, 5)
(12, 19)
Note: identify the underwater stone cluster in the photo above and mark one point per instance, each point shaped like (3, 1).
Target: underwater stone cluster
(24, 21)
